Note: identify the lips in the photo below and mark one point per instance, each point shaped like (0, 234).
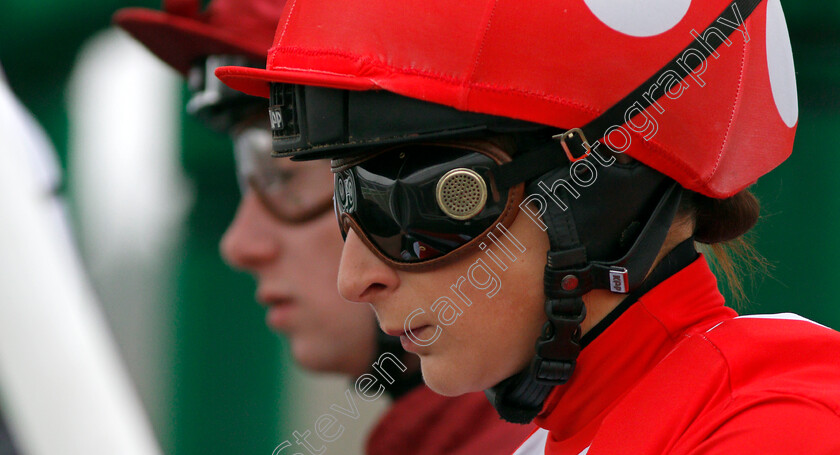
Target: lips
(418, 332)
(279, 309)
(403, 332)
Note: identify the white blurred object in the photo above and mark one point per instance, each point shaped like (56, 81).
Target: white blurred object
(63, 387)
(124, 116)
(132, 201)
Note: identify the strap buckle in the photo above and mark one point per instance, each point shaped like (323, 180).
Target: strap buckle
(559, 345)
(619, 280)
(569, 135)
(552, 372)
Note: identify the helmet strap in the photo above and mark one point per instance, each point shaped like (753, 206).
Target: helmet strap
(679, 258)
(569, 274)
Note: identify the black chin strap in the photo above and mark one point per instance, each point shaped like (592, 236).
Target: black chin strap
(568, 273)
(520, 398)
(568, 276)
(679, 258)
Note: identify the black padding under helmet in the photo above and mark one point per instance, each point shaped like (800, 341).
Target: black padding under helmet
(310, 123)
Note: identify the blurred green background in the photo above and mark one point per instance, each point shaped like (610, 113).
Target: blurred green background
(227, 367)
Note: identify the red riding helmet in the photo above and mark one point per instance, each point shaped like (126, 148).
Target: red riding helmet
(565, 64)
(181, 34)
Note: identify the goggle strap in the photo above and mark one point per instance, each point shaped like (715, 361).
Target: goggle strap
(634, 264)
(529, 165)
(650, 91)
(534, 163)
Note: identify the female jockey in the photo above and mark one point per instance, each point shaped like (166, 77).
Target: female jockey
(521, 188)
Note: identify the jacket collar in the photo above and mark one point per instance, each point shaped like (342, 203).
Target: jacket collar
(687, 302)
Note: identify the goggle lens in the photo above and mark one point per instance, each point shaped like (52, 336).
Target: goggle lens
(406, 206)
(293, 192)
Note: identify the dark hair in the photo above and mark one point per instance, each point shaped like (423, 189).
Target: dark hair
(720, 226)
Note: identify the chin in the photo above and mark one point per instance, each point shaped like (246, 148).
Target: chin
(453, 378)
(309, 357)
(445, 379)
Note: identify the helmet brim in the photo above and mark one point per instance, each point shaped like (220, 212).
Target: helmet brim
(181, 41)
(255, 81)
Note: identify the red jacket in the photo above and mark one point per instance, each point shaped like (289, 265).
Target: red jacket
(678, 373)
(423, 422)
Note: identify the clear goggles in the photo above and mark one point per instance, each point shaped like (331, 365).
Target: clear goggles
(293, 192)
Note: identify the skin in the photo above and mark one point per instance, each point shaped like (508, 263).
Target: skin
(494, 337)
(326, 334)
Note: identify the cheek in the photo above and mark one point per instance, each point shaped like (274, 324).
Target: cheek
(312, 252)
(494, 337)
(309, 265)
(491, 341)
(331, 334)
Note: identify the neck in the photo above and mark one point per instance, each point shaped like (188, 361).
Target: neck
(601, 302)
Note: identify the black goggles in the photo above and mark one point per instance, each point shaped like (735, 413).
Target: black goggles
(417, 205)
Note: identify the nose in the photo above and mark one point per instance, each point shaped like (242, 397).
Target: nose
(249, 242)
(362, 276)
